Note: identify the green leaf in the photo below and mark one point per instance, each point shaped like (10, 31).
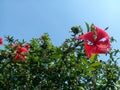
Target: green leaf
(84, 61)
(91, 69)
(89, 74)
(95, 64)
(93, 58)
(106, 28)
(87, 25)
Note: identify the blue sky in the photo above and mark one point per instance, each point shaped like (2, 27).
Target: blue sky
(26, 19)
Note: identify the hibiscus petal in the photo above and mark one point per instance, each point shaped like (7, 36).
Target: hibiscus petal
(103, 46)
(93, 49)
(100, 34)
(87, 50)
(90, 49)
(24, 49)
(17, 57)
(103, 49)
(87, 37)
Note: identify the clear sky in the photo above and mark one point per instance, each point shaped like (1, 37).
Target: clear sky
(26, 19)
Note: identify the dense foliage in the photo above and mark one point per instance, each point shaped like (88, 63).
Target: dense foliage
(39, 65)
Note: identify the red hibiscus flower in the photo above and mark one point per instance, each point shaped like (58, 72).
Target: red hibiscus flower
(96, 42)
(1, 41)
(20, 52)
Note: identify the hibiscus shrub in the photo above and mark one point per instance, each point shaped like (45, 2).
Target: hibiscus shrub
(75, 65)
